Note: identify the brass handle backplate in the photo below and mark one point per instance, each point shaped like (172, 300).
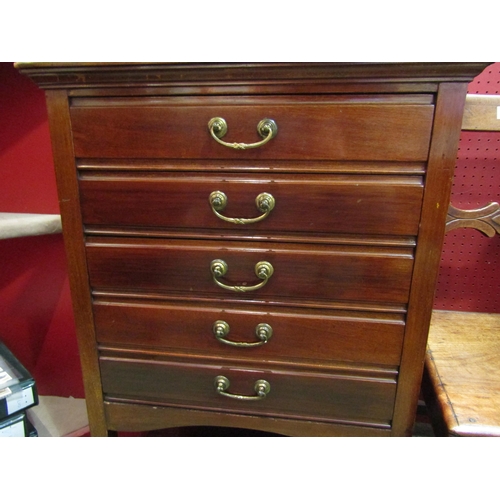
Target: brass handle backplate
(261, 388)
(265, 203)
(263, 332)
(263, 270)
(266, 128)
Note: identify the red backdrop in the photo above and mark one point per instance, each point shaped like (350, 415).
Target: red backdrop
(36, 319)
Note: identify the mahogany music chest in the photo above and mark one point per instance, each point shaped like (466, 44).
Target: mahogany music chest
(254, 245)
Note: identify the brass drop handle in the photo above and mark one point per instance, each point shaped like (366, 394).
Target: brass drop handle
(265, 203)
(261, 388)
(263, 270)
(263, 332)
(266, 128)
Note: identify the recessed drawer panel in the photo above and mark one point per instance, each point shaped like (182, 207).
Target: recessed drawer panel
(384, 205)
(327, 397)
(252, 333)
(259, 271)
(348, 129)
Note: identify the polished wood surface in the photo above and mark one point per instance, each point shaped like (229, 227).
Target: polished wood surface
(67, 185)
(345, 130)
(462, 376)
(442, 156)
(317, 336)
(304, 395)
(321, 273)
(141, 418)
(199, 78)
(361, 170)
(485, 219)
(359, 204)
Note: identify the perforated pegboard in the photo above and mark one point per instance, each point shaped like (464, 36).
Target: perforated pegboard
(469, 278)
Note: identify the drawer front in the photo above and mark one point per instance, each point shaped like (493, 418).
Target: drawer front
(294, 394)
(347, 129)
(286, 334)
(382, 205)
(299, 272)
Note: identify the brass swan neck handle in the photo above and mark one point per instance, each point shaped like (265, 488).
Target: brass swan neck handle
(265, 202)
(266, 128)
(263, 332)
(261, 388)
(263, 270)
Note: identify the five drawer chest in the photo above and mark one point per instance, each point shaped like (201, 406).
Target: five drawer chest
(254, 245)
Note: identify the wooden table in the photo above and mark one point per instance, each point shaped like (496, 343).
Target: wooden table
(462, 373)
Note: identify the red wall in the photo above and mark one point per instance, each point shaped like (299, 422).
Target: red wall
(36, 320)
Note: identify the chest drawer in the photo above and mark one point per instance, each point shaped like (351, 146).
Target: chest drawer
(356, 128)
(229, 270)
(252, 333)
(330, 397)
(384, 205)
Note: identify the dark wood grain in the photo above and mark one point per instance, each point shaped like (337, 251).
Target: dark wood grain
(321, 273)
(298, 394)
(349, 131)
(207, 167)
(139, 418)
(311, 335)
(304, 78)
(385, 205)
(442, 156)
(58, 112)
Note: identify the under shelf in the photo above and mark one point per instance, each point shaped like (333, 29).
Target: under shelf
(15, 225)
